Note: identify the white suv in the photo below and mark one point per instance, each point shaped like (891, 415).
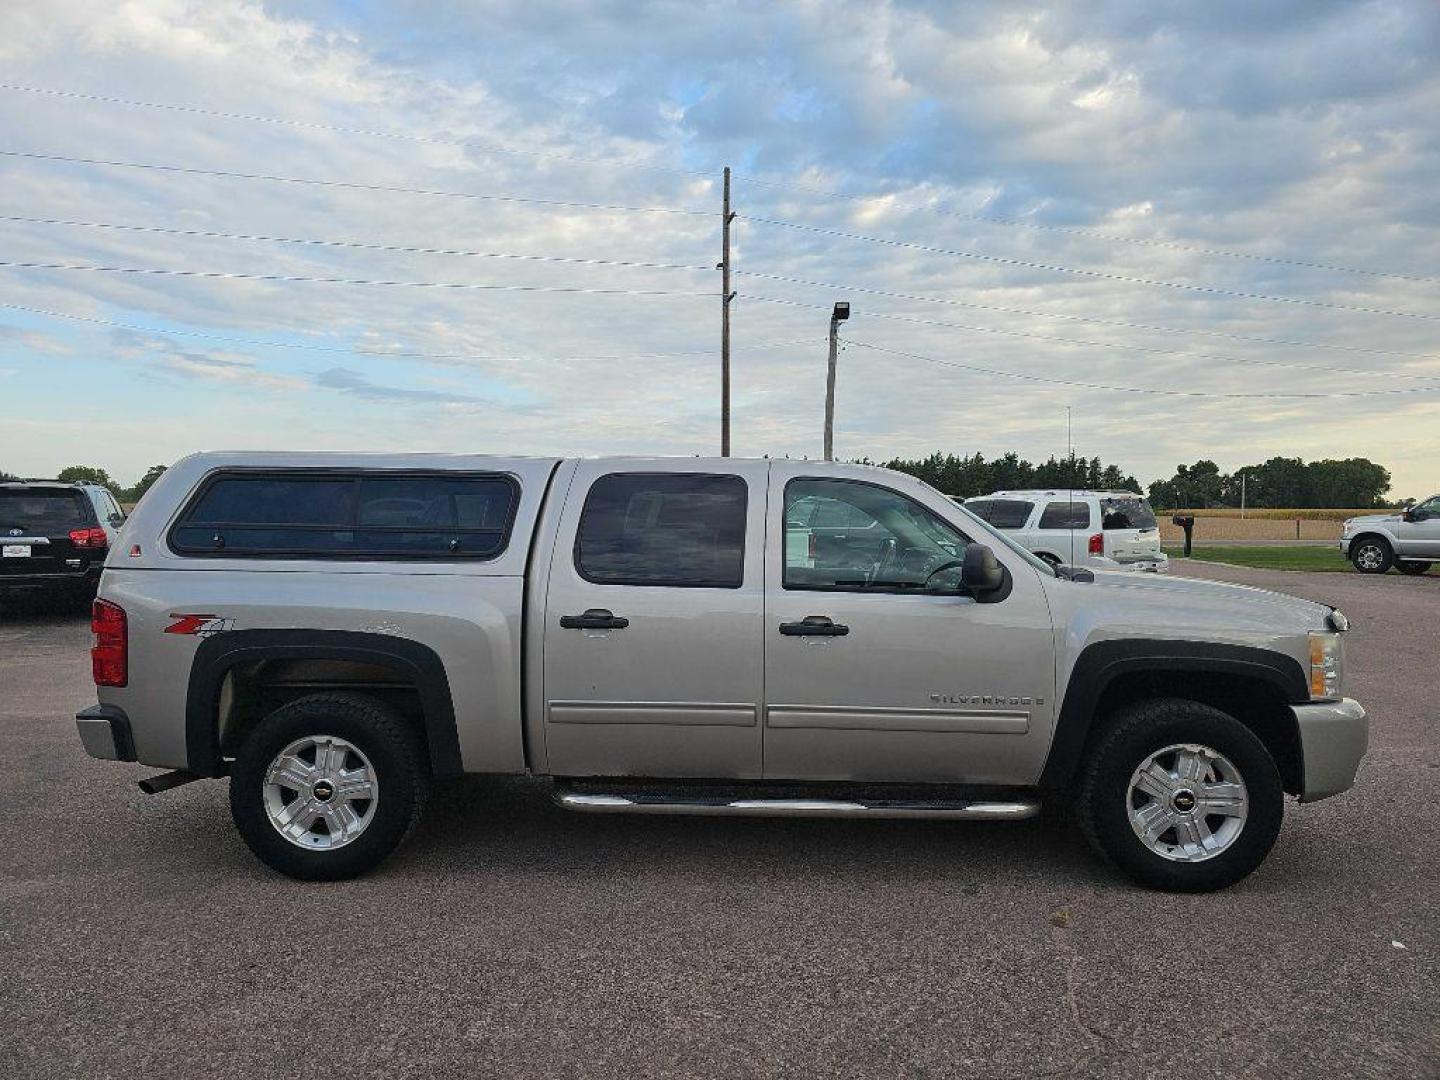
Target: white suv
(1101, 530)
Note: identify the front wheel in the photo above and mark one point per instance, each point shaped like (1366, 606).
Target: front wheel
(1413, 569)
(1181, 796)
(327, 786)
(1371, 555)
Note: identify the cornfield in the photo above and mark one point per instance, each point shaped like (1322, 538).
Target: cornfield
(1314, 526)
(1277, 515)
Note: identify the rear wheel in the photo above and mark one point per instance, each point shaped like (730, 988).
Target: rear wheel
(1371, 555)
(1181, 796)
(1414, 569)
(327, 786)
(1053, 560)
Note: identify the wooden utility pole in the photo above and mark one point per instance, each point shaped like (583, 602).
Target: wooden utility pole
(726, 216)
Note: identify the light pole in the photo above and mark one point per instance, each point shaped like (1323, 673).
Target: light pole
(839, 315)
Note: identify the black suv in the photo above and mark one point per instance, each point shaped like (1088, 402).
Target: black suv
(54, 536)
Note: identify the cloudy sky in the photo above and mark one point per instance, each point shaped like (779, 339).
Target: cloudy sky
(1229, 206)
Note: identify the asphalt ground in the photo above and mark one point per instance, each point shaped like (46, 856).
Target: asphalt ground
(138, 937)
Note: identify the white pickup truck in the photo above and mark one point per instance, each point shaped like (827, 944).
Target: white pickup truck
(335, 632)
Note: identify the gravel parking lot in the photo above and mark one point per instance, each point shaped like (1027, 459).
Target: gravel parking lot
(511, 939)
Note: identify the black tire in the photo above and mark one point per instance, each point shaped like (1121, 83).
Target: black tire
(396, 754)
(1414, 569)
(1372, 555)
(1051, 559)
(1142, 729)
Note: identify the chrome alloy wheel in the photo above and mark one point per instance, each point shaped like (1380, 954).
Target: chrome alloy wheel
(1370, 556)
(320, 792)
(1187, 803)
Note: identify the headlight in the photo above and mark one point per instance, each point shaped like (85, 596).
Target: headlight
(1326, 663)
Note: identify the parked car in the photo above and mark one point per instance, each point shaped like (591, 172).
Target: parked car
(54, 536)
(1102, 530)
(334, 632)
(1408, 541)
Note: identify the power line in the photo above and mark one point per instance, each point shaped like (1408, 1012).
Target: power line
(1001, 260)
(340, 129)
(228, 276)
(354, 185)
(1149, 327)
(351, 244)
(423, 250)
(382, 354)
(1134, 389)
(642, 164)
(1095, 234)
(1113, 344)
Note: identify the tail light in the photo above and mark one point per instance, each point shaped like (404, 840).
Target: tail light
(1097, 544)
(88, 538)
(109, 656)
(810, 548)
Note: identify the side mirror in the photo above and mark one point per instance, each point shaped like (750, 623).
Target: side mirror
(981, 573)
(1408, 515)
(116, 520)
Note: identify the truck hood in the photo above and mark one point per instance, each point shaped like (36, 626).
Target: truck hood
(1370, 519)
(1214, 603)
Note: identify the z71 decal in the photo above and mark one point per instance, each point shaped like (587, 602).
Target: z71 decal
(199, 625)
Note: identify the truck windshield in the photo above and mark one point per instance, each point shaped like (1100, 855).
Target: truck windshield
(40, 512)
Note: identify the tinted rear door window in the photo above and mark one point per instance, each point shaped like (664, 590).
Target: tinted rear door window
(1066, 515)
(679, 529)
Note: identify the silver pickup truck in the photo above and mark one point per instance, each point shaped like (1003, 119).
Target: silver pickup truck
(335, 632)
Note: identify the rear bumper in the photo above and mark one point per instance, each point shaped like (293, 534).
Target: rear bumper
(105, 733)
(50, 580)
(1334, 736)
(1157, 565)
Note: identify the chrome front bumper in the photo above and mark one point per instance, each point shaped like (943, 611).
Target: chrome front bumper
(1333, 738)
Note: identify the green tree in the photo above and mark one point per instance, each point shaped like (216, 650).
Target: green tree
(964, 477)
(151, 475)
(1193, 487)
(1277, 483)
(89, 474)
(1357, 482)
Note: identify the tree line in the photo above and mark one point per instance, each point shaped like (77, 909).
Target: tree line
(974, 475)
(1279, 483)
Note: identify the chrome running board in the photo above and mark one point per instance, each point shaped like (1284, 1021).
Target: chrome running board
(975, 810)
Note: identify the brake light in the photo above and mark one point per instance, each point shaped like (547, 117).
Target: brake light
(88, 538)
(1097, 544)
(810, 547)
(109, 656)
